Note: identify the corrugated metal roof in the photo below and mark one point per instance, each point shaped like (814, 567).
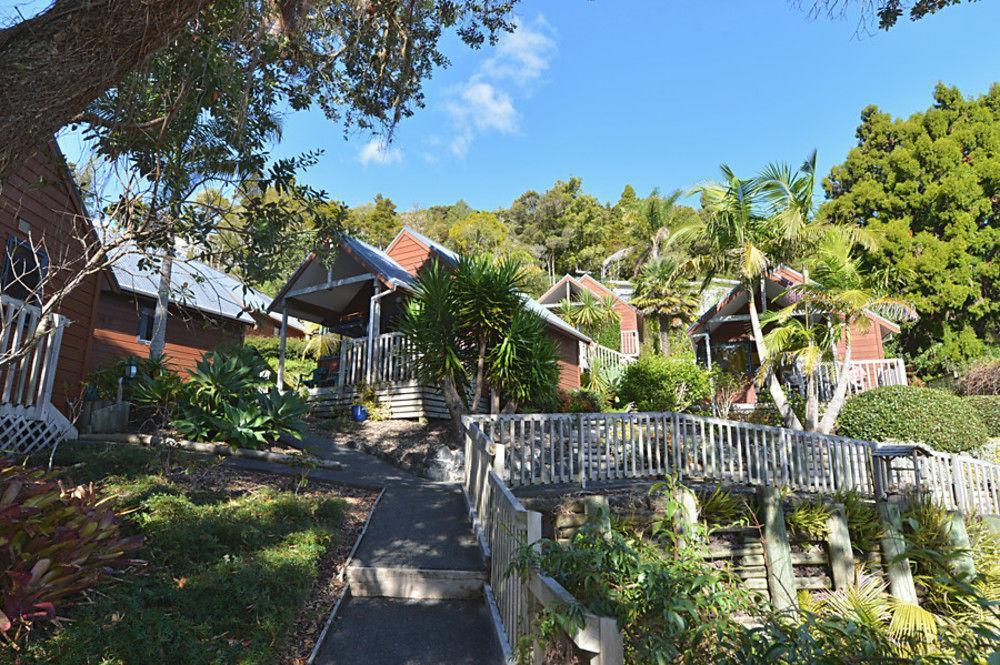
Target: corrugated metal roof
(192, 284)
(379, 261)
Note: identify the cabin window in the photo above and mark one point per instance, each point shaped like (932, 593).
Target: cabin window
(147, 314)
(738, 358)
(24, 270)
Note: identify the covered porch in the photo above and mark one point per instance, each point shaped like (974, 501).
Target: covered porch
(355, 291)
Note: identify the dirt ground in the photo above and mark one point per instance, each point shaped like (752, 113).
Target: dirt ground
(403, 443)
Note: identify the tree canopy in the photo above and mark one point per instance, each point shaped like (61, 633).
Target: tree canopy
(928, 188)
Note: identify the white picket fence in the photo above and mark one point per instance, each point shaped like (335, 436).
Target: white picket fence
(505, 527)
(596, 447)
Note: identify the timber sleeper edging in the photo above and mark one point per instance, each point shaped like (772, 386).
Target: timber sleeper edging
(212, 449)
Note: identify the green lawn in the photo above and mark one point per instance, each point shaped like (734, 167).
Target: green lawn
(231, 557)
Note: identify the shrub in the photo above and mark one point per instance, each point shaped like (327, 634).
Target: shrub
(720, 508)
(982, 378)
(54, 544)
(155, 391)
(582, 400)
(807, 519)
(988, 408)
(224, 402)
(656, 383)
(907, 413)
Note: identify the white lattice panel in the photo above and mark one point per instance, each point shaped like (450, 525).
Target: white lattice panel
(21, 435)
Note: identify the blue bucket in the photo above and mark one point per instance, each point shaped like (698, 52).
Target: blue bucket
(359, 413)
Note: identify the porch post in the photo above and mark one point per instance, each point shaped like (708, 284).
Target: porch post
(374, 313)
(281, 344)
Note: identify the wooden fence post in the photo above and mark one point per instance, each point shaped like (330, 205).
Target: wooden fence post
(958, 482)
(780, 577)
(958, 537)
(841, 551)
(612, 647)
(897, 566)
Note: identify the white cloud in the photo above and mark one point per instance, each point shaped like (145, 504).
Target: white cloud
(486, 101)
(522, 56)
(377, 152)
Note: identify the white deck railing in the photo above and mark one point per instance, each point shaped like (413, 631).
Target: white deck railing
(26, 382)
(393, 359)
(862, 375)
(630, 342)
(583, 448)
(505, 527)
(594, 354)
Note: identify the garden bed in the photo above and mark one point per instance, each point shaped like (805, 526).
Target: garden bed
(240, 567)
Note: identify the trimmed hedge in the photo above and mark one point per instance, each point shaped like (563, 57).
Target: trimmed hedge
(908, 413)
(988, 407)
(656, 383)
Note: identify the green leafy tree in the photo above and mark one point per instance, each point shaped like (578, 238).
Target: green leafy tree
(376, 223)
(359, 61)
(926, 188)
(478, 232)
(886, 13)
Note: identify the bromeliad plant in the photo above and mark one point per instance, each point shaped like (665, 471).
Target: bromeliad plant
(54, 544)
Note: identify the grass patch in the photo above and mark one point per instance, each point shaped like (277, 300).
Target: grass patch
(232, 558)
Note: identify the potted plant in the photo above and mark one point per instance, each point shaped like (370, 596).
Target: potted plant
(365, 403)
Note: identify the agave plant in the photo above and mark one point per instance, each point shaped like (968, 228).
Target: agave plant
(54, 543)
(284, 411)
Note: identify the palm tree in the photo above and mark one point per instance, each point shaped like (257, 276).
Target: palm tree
(487, 293)
(589, 313)
(652, 220)
(845, 295)
(662, 292)
(742, 236)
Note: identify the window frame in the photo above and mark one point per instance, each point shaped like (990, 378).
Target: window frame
(143, 308)
(15, 242)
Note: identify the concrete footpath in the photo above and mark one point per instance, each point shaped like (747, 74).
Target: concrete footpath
(416, 580)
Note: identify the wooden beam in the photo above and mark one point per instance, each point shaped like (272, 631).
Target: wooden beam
(329, 285)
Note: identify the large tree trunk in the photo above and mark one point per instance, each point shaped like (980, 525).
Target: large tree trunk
(456, 408)
(773, 385)
(158, 343)
(664, 335)
(56, 63)
(839, 393)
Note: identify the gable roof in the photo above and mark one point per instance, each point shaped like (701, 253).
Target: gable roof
(452, 258)
(588, 282)
(784, 276)
(378, 261)
(192, 284)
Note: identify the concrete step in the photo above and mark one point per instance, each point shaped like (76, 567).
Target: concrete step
(388, 631)
(415, 583)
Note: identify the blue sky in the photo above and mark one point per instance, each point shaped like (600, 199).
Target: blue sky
(655, 93)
